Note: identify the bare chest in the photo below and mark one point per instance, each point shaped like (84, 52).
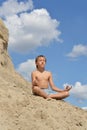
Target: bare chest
(42, 76)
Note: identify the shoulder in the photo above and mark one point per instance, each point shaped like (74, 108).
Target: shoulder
(34, 72)
(48, 72)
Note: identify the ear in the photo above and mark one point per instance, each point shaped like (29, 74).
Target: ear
(36, 65)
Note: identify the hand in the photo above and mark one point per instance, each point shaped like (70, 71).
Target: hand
(35, 82)
(67, 88)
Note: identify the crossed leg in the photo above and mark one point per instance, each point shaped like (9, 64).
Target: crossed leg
(38, 91)
(61, 95)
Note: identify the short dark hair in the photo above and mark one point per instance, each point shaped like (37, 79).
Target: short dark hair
(38, 58)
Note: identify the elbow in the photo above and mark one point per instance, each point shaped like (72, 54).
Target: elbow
(53, 88)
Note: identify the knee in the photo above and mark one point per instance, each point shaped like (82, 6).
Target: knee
(35, 89)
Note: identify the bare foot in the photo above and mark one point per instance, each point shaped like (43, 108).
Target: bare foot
(48, 99)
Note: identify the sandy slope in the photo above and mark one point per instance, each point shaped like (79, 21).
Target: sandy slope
(20, 110)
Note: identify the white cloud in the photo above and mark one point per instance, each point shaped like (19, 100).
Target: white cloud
(84, 108)
(28, 30)
(79, 91)
(26, 68)
(31, 30)
(11, 7)
(78, 50)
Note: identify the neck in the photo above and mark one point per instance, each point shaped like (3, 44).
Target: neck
(41, 69)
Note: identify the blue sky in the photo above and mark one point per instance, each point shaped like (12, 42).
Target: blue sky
(56, 29)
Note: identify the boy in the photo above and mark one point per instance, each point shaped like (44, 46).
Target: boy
(41, 79)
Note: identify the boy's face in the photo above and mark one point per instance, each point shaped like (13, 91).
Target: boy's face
(41, 61)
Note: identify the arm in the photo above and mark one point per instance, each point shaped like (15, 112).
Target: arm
(53, 86)
(34, 80)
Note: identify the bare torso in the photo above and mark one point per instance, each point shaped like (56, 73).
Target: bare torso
(42, 78)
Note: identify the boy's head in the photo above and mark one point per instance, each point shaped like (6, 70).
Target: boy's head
(38, 58)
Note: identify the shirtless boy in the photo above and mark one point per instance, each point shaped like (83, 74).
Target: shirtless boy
(41, 79)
